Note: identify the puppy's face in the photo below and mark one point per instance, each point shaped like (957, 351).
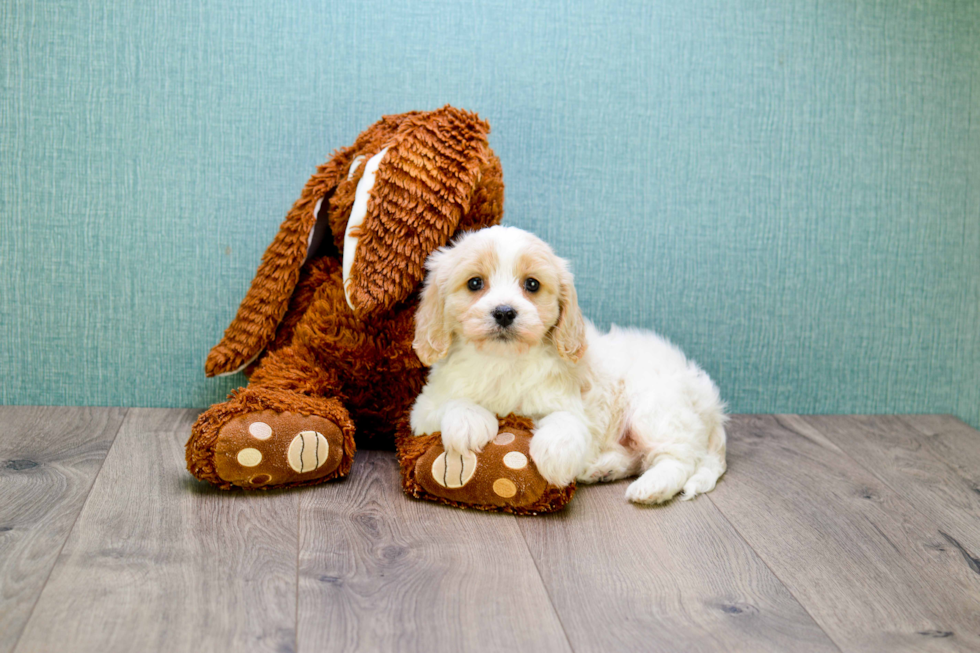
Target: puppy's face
(503, 290)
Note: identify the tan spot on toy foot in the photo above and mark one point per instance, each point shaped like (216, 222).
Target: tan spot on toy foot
(261, 479)
(260, 430)
(249, 457)
(503, 438)
(455, 470)
(504, 487)
(515, 460)
(307, 451)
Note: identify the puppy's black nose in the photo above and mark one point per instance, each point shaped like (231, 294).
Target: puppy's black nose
(504, 315)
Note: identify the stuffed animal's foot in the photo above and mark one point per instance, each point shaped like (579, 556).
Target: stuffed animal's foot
(267, 448)
(250, 443)
(501, 477)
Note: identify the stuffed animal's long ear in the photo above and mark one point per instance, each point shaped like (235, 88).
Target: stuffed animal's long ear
(409, 202)
(569, 333)
(268, 297)
(432, 338)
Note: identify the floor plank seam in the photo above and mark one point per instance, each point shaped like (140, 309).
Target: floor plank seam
(299, 546)
(924, 434)
(95, 478)
(883, 553)
(912, 426)
(773, 572)
(544, 585)
(898, 494)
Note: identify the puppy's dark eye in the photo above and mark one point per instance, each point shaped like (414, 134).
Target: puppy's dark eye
(532, 285)
(474, 284)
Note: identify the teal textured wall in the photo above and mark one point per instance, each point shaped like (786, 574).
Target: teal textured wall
(788, 190)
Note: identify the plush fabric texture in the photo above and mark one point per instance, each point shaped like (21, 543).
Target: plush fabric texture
(200, 449)
(532, 494)
(318, 358)
(789, 191)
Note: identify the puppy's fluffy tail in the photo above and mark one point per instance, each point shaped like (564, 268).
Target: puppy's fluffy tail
(712, 465)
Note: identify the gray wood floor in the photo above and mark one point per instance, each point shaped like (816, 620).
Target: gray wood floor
(827, 534)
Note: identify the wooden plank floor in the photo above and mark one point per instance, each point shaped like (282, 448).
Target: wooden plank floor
(48, 460)
(828, 533)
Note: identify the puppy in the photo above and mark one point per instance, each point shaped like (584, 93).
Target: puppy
(500, 326)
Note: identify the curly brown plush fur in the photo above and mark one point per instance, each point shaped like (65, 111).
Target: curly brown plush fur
(330, 355)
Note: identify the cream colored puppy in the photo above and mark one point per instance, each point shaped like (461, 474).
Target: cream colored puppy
(499, 324)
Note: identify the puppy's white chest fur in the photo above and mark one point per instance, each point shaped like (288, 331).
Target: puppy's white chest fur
(533, 384)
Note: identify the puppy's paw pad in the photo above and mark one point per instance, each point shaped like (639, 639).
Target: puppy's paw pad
(268, 448)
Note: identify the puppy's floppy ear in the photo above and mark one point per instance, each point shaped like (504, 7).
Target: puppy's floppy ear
(569, 332)
(432, 338)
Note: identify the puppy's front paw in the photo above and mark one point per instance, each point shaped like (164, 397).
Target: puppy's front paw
(560, 454)
(467, 427)
(424, 417)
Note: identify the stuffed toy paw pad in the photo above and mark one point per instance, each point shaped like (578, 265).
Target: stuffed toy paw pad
(267, 448)
(501, 477)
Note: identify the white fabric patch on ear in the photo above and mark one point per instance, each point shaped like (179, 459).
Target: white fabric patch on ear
(357, 214)
(309, 239)
(515, 460)
(353, 166)
(243, 365)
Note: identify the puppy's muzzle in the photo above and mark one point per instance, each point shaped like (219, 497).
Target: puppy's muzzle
(504, 315)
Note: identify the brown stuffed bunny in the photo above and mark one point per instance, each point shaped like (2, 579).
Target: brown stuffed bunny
(326, 328)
